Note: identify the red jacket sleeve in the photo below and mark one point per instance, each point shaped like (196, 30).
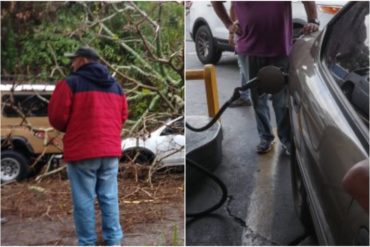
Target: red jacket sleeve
(60, 105)
(124, 110)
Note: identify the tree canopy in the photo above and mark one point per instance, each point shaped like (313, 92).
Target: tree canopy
(140, 42)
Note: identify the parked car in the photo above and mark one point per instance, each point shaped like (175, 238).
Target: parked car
(25, 130)
(211, 36)
(330, 125)
(166, 145)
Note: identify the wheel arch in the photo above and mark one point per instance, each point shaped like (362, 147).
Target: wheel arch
(18, 144)
(143, 150)
(198, 23)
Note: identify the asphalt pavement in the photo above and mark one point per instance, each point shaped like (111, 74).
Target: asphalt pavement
(259, 209)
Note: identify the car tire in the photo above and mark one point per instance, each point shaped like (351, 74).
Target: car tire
(299, 193)
(144, 157)
(205, 46)
(14, 166)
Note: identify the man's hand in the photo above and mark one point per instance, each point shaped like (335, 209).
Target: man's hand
(234, 28)
(310, 28)
(311, 11)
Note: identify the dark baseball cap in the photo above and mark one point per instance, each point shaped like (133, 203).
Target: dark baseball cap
(83, 52)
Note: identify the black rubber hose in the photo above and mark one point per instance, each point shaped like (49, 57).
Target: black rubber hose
(214, 119)
(235, 96)
(217, 181)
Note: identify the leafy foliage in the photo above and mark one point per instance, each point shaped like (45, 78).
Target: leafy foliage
(141, 42)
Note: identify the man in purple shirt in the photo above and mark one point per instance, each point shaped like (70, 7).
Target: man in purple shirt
(265, 33)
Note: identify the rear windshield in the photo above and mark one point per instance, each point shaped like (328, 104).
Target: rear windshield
(30, 105)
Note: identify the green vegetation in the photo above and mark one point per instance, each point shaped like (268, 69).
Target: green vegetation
(141, 43)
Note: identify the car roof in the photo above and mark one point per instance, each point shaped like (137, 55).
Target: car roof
(27, 87)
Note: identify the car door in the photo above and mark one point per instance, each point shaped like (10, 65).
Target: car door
(331, 135)
(347, 45)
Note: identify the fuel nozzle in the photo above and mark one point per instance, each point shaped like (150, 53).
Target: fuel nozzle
(270, 79)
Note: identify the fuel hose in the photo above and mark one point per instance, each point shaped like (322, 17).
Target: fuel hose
(194, 164)
(217, 181)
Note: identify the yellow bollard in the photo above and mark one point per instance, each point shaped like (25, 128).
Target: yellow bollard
(209, 76)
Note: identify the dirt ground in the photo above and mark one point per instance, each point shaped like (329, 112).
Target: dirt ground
(40, 213)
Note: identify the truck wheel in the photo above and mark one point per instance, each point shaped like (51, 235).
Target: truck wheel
(14, 166)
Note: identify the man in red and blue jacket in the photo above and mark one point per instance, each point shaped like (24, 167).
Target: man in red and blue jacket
(91, 108)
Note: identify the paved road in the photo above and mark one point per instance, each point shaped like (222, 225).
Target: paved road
(259, 185)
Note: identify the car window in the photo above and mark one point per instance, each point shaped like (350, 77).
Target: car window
(31, 105)
(175, 128)
(346, 54)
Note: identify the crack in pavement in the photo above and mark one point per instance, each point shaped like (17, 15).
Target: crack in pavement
(255, 237)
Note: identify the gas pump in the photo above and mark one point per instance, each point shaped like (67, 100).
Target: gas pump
(270, 80)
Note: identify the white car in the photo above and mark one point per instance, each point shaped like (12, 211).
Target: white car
(166, 145)
(211, 36)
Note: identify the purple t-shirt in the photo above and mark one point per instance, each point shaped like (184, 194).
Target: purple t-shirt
(266, 28)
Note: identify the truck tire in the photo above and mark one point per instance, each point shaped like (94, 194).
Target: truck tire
(14, 166)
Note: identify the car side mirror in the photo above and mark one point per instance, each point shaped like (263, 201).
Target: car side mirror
(270, 79)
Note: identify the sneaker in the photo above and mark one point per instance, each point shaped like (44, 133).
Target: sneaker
(264, 146)
(286, 148)
(241, 102)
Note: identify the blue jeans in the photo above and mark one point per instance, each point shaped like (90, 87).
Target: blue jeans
(88, 179)
(243, 61)
(262, 112)
(251, 65)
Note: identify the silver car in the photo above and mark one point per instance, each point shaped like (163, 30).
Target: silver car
(330, 125)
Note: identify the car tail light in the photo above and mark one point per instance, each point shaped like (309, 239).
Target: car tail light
(329, 9)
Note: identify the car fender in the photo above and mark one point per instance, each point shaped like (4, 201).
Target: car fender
(133, 143)
(218, 30)
(198, 23)
(18, 143)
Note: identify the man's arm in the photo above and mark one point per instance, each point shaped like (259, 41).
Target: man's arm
(233, 19)
(232, 12)
(311, 12)
(222, 14)
(124, 110)
(60, 104)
